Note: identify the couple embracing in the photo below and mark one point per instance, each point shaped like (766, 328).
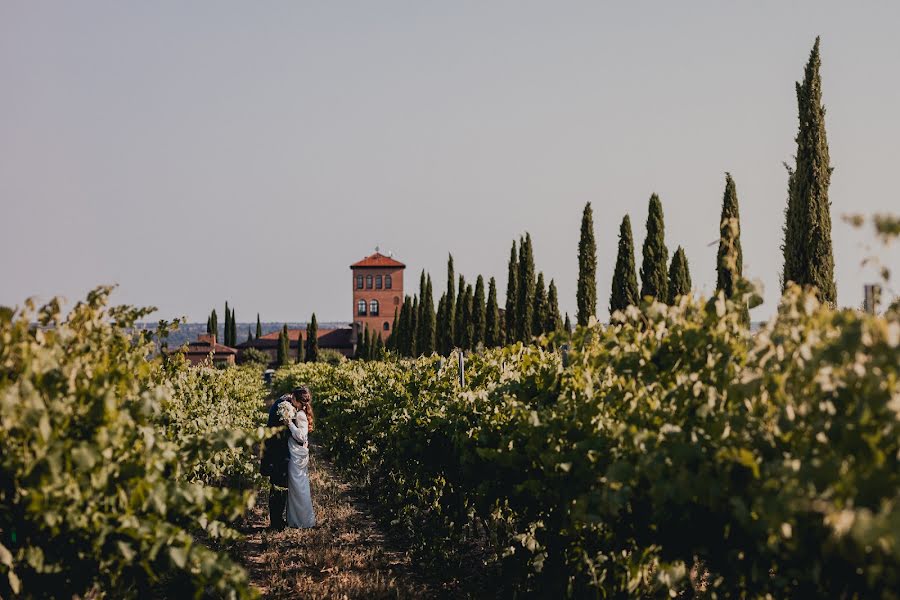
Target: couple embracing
(285, 461)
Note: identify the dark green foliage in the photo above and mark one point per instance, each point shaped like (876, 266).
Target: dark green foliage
(466, 341)
(492, 329)
(808, 255)
(552, 321)
(209, 324)
(233, 329)
(459, 324)
(439, 324)
(568, 325)
(654, 268)
(249, 334)
(413, 349)
(214, 324)
(586, 294)
(301, 346)
(730, 258)
(512, 296)
(449, 317)
(679, 276)
(312, 340)
(361, 350)
(253, 355)
(426, 329)
(624, 291)
(478, 313)
(525, 304)
(540, 310)
(378, 348)
(367, 345)
(284, 345)
(258, 327)
(226, 334)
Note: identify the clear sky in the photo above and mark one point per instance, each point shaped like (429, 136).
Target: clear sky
(197, 152)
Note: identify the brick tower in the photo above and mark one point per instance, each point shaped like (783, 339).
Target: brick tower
(377, 293)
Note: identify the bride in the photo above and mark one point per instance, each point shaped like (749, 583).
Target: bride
(299, 506)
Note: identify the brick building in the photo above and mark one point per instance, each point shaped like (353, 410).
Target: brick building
(206, 351)
(377, 293)
(338, 340)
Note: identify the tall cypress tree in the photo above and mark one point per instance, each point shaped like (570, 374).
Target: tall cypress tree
(553, 321)
(209, 324)
(249, 334)
(361, 349)
(729, 268)
(624, 291)
(439, 324)
(568, 325)
(540, 310)
(258, 327)
(226, 334)
(233, 329)
(459, 324)
(808, 255)
(492, 317)
(413, 328)
(391, 342)
(586, 294)
(466, 341)
(478, 313)
(284, 347)
(405, 327)
(525, 305)
(312, 340)
(448, 333)
(511, 326)
(367, 345)
(214, 323)
(654, 268)
(426, 331)
(301, 346)
(378, 353)
(679, 276)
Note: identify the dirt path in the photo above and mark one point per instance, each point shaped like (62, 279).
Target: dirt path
(345, 556)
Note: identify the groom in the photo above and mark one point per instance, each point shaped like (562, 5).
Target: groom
(274, 462)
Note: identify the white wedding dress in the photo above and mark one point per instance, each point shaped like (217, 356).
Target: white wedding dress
(299, 506)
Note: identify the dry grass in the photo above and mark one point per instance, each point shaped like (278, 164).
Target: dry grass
(345, 556)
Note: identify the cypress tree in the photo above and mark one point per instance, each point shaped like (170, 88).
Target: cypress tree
(587, 268)
(729, 268)
(553, 321)
(624, 291)
(439, 324)
(448, 333)
(512, 296)
(378, 353)
(654, 276)
(226, 334)
(258, 327)
(540, 310)
(233, 329)
(425, 341)
(392, 339)
(361, 344)
(214, 325)
(478, 314)
(413, 329)
(312, 340)
(459, 325)
(808, 255)
(492, 317)
(300, 345)
(468, 330)
(525, 305)
(209, 324)
(249, 334)
(679, 276)
(367, 345)
(568, 325)
(284, 345)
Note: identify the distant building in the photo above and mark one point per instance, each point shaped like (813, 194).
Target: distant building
(377, 293)
(206, 350)
(332, 339)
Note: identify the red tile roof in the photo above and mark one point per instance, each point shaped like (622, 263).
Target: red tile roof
(203, 348)
(328, 338)
(378, 260)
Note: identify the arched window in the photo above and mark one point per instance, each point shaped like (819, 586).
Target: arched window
(388, 282)
(386, 326)
(361, 307)
(368, 282)
(373, 308)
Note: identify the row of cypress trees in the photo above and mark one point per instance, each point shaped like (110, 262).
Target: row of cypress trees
(229, 337)
(307, 351)
(807, 247)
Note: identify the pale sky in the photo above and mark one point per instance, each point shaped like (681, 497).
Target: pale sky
(208, 151)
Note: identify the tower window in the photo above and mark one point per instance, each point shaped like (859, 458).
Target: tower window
(361, 307)
(388, 282)
(378, 282)
(368, 282)
(359, 282)
(373, 308)
(386, 326)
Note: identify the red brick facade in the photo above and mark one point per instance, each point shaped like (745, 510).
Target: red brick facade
(377, 293)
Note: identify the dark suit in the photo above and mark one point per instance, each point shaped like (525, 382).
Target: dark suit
(274, 463)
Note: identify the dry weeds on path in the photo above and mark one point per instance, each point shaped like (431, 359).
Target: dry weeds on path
(345, 556)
